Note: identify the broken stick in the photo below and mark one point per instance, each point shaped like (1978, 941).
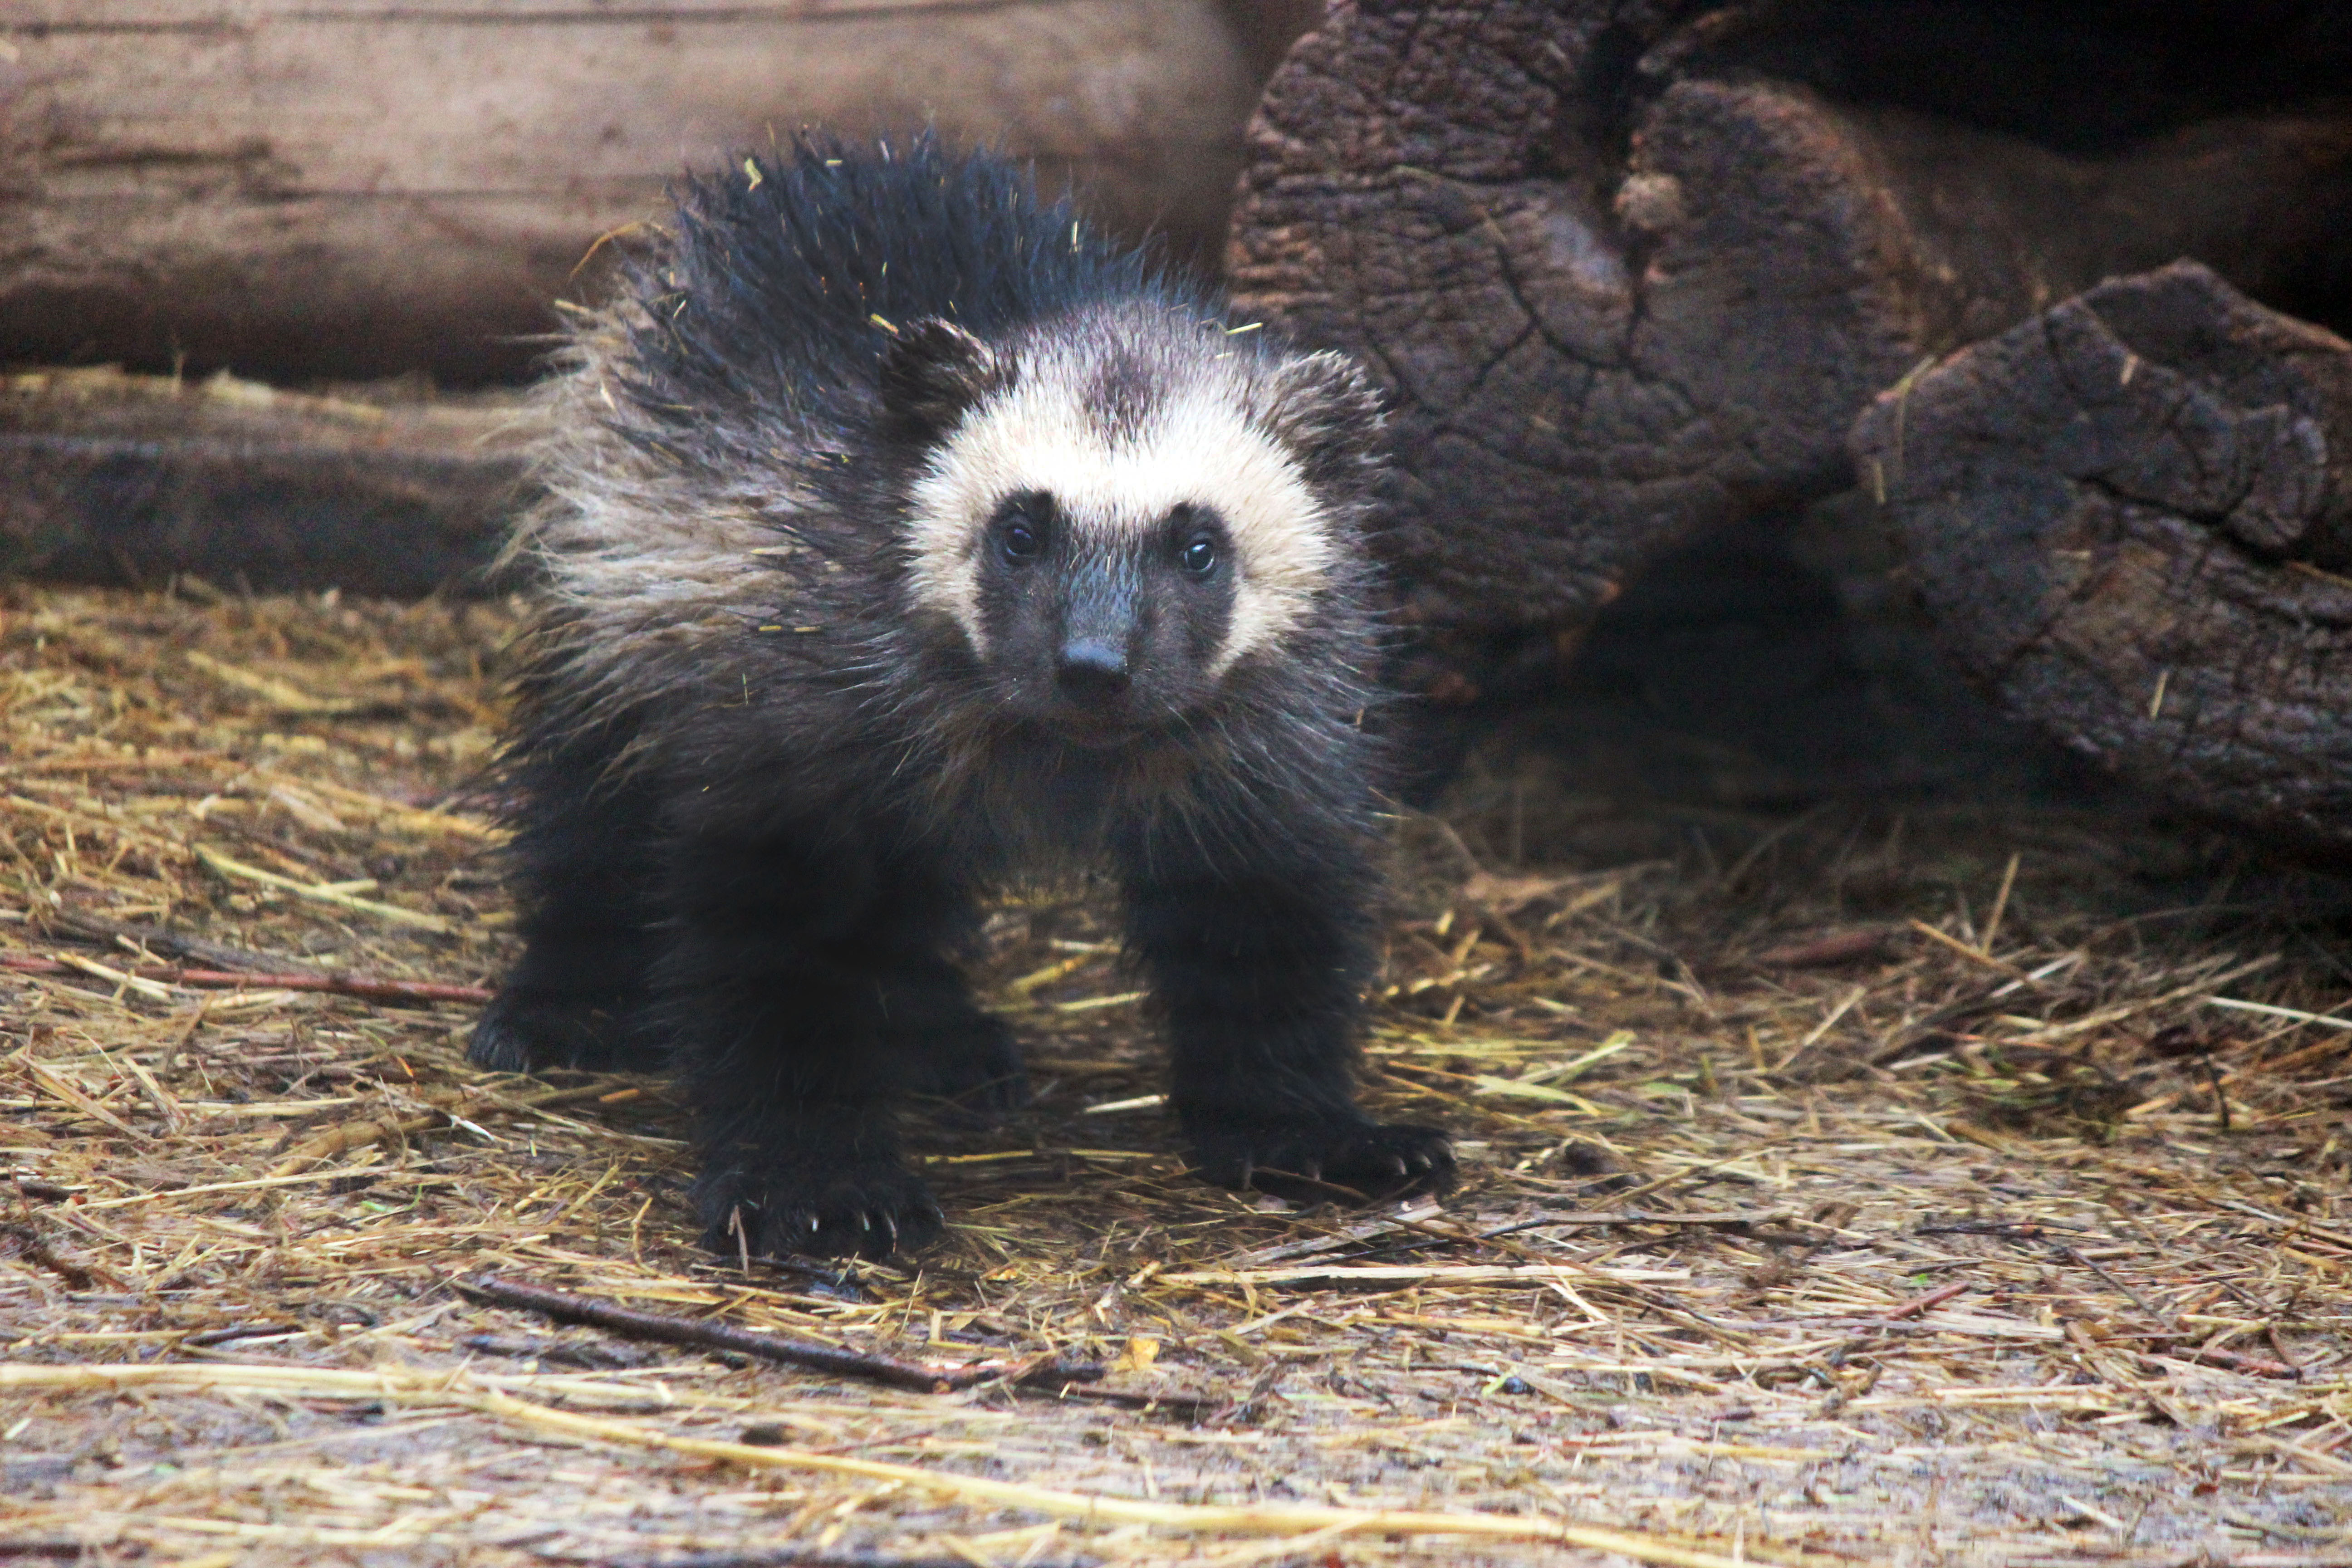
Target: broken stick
(566, 1307)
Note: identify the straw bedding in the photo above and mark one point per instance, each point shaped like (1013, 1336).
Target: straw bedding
(1953, 1184)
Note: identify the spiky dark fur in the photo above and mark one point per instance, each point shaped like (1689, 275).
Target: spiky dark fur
(758, 796)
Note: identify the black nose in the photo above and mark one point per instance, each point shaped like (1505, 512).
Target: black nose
(1090, 671)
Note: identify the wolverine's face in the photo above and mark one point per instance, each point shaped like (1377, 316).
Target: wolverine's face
(1100, 632)
(1116, 517)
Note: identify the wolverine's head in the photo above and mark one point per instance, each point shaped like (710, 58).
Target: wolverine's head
(1116, 509)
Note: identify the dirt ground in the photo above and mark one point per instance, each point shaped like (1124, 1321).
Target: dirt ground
(1868, 1182)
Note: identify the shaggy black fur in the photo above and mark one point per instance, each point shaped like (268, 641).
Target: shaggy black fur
(758, 802)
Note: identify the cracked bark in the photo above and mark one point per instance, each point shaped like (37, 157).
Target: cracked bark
(1624, 289)
(2132, 517)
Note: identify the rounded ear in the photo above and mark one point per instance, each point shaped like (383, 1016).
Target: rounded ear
(1325, 409)
(934, 371)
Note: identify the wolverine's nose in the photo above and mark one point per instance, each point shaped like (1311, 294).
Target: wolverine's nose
(1091, 672)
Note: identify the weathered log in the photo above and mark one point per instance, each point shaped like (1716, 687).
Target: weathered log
(1624, 289)
(346, 189)
(106, 477)
(2131, 516)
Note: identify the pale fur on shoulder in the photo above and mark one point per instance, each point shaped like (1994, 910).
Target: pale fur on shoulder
(643, 568)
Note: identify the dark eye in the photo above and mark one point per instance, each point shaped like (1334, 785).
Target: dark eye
(1017, 541)
(1199, 556)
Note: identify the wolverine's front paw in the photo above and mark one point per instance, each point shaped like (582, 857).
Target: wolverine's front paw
(851, 1208)
(1326, 1159)
(519, 1032)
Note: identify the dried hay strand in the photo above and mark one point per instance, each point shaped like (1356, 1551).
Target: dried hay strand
(1855, 1183)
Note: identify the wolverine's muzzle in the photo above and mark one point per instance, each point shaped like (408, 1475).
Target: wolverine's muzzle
(1093, 665)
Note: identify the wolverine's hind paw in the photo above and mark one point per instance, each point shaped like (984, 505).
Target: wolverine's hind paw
(1327, 1159)
(868, 1209)
(971, 1077)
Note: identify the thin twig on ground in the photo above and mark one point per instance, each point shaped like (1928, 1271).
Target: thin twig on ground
(566, 1307)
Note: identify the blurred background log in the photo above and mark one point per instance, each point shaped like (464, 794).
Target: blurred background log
(134, 479)
(346, 189)
(2132, 517)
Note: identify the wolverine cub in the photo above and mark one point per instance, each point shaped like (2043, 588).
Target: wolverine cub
(907, 540)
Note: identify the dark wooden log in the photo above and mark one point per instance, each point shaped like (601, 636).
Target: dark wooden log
(352, 189)
(114, 479)
(1625, 288)
(2132, 517)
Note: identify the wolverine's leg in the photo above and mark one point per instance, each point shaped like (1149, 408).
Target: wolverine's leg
(801, 990)
(583, 876)
(1258, 959)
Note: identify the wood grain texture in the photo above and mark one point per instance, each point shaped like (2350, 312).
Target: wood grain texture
(347, 190)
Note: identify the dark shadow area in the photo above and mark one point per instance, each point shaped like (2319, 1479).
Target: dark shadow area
(2083, 77)
(1781, 680)
(2089, 78)
(1771, 666)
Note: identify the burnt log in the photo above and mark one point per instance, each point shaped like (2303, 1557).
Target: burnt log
(128, 479)
(2132, 518)
(1626, 285)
